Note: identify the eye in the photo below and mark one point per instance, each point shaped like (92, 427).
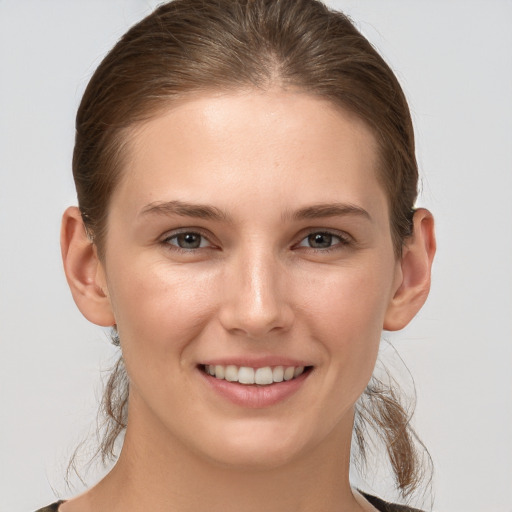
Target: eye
(188, 240)
(322, 240)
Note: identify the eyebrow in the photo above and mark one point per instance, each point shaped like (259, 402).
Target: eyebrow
(324, 210)
(184, 209)
(208, 212)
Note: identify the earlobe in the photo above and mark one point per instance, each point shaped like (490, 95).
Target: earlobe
(84, 271)
(415, 269)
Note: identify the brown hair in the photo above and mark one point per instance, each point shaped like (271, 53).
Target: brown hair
(188, 46)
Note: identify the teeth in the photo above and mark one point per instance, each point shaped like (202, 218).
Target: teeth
(263, 376)
(230, 373)
(246, 375)
(219, 371)
(278, 374)
(260, 376)
(289, 373)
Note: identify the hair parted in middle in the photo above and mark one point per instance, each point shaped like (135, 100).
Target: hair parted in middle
(186, 47)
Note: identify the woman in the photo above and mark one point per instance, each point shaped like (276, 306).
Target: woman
(246, 181)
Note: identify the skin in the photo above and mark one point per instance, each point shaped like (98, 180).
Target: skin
(266, 164)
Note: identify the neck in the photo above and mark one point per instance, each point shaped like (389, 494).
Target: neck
(162, 474)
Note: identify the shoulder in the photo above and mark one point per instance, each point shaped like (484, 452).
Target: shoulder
(384, 506)
(54, 507)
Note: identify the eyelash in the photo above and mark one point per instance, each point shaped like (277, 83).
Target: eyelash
(167, 241)
(344, 240)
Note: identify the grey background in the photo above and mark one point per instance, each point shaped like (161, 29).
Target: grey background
(454, 60)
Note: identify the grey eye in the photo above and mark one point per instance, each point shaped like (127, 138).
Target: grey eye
(188, 240)
(320, 240)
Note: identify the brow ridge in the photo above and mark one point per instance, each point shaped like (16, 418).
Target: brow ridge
(323, 210)
(209, 212)
(185, 209)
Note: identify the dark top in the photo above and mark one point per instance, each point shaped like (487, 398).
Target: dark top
(51, 508)
(379, 504)
(384, 506)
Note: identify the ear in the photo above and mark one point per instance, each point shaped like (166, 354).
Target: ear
(84, 271)
(413, 278)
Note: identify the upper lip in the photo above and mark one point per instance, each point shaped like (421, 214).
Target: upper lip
(256, 362)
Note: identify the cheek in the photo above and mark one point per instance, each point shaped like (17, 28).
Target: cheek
(346, 314)
(159, 307)
(350, 300)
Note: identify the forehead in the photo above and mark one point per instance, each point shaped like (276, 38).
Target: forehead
(285, 147)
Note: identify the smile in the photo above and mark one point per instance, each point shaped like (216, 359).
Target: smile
(264, 376)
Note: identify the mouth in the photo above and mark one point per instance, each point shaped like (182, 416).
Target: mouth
(248, 376)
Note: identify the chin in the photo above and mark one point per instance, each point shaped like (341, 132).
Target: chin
(255, 458)
(257, 449)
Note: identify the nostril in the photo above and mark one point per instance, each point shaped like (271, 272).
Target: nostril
(256, 326)
(256, 301)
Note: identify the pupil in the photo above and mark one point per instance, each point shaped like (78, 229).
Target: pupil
(189, 241)
(320, 240)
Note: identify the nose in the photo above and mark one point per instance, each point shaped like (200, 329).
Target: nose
(255, 297)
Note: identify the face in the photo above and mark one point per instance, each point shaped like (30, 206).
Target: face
(249, 267)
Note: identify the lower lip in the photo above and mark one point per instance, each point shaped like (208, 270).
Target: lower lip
(254, 396)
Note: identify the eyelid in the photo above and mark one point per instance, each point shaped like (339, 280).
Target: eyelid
(345, 238)
(180, 231)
